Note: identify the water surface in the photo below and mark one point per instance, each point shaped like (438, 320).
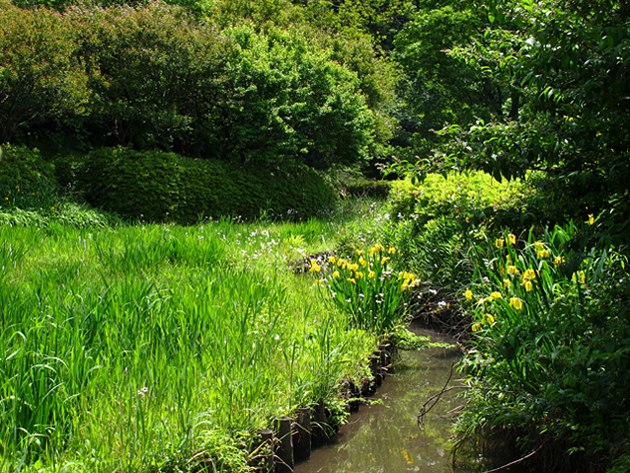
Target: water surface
(386, 438)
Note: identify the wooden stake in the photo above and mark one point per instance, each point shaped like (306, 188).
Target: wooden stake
(284, 449)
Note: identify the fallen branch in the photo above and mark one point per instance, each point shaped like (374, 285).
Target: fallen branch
(529, 455)
(436, 397)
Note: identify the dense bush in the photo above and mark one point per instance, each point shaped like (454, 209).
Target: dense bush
(434, 250)
(31, 194)
(23, 166)
(26, 180)
(160, 186)
(564, 65)
(473, 195)
(431, 217)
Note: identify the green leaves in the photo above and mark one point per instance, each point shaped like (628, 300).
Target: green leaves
(41, 75)
(564, 69)
(156, 72)
(164, 187)
(286, 101)
(440, 88)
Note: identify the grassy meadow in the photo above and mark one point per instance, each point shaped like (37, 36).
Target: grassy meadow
(158, 347)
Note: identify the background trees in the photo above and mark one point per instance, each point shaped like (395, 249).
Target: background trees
(40, 75)
(288, 101)
(219, 108)
(157, 74)
(567, 64)
(157, 77)
(439, 89)
(516, 86)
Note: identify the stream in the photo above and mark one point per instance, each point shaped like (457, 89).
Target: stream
(385, 437)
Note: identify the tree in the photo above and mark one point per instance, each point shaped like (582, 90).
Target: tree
(288, 101)
(439, 89)
(157, 73)
(574, 60)
(41, 75)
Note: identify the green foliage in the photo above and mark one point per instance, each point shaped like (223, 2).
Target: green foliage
(160, 186)
(41, 74)
(156, 77)
(434, 250)
(23, 166)
(369, 291)
(473, 195)
(380, 19)
(232, 13)
(26, 180)
(349, 33)
(572, 60)
(431, 218)
(31, 196)
(157, 73)
(621, 465)
(134, 184)
(438, 89)
(551, 354)
(288, 102)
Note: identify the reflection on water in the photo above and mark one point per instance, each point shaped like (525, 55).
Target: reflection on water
(386, 438)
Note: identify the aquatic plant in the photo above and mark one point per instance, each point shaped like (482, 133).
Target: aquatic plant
(551, 347)
(367, 288)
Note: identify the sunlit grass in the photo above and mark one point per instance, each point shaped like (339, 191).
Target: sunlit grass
(148, 347)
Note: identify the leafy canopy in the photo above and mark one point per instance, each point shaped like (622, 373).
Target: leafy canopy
(569, 63)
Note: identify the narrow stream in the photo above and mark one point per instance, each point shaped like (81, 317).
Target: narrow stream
(385, 438)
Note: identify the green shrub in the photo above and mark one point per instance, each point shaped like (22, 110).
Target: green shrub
(134, 184)
(159, 186)
(434, 250)
(475, 195)
(26, 179)
(551, 356)
(374, 189)
(431, 217)
(24, 166)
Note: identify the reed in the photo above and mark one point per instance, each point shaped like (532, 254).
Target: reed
(148, 348)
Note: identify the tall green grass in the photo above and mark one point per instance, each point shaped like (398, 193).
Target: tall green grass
(153, 348)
